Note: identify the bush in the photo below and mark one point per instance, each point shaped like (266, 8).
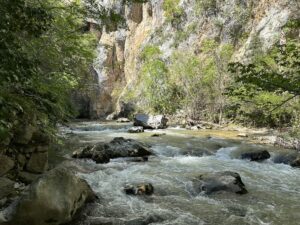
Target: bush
(173, 11)
(44, 57)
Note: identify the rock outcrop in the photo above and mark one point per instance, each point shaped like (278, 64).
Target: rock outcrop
(53, 199)
(242, 24)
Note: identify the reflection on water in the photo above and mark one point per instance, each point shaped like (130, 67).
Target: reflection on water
(274, 189)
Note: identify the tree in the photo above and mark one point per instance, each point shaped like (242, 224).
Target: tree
(275, 74)
(44, 54)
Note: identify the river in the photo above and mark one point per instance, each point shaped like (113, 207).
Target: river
(274, 189)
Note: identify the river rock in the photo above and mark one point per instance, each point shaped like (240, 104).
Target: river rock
(256, 155)
(219, 182)
(296, 163)
(136, 130)
(140, 189)
(6, 164)
(150, 122)
(285, 157)
(52, 199)
(38, 162)
(117, 148)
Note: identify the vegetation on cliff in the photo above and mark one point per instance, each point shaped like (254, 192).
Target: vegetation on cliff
(208, 86)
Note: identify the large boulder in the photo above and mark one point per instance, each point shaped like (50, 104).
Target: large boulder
(117, 148)
(219, 182)
(6, 164)
(150, 122)
(259, 155)
(53, 199)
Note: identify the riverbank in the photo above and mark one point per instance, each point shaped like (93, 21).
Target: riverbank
(268, 136)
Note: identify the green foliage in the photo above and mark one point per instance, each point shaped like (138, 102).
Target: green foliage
(158, 92)
(204, 6)
(195, 83)
(173, 11)
(182, 35)
(269, 82)
(252, 106)
(45, 55)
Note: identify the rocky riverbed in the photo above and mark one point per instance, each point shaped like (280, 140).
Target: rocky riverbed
(106, 175)
(189, 173)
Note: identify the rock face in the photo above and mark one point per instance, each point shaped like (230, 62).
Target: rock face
(150, 122)
(52, 199)
(6, 164)
(238, 23)
(117, 148)
(256, 155)
(219, 182)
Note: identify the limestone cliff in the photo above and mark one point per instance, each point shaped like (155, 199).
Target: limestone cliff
(240, 23)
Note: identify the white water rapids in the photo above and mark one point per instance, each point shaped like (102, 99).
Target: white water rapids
(274, 189)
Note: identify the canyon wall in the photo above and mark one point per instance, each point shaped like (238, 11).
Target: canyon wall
(240, 23)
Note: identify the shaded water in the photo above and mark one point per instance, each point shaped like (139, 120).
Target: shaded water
(274, 189)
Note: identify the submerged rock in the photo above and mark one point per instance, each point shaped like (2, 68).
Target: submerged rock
(140, 189)
(219, 182)
(150, 122)
(117, 148)
(256, 155)
(136, 130)
(52, 199)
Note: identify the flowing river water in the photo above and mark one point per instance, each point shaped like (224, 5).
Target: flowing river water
(181, 155)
